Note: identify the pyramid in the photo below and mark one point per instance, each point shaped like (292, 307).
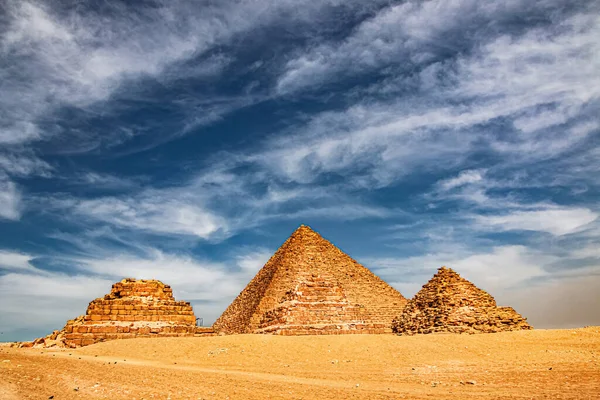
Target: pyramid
(133, 308)
(450, 303)
(309, 286)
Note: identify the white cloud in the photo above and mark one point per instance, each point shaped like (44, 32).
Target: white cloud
(35, 305)
(191, 279)
(155, 212)
(91, 181)
(465, 177)
(24, 164)
(254, 260)
(15, 261)
(557, 221)
(401, 35)
(82, 57)
(502, 268)
(540, 80)
(10, 200)
(590, 251)
(213, 205)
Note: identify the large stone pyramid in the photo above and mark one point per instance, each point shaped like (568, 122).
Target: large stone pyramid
(450, 303)
(133, 308)
(309, 286)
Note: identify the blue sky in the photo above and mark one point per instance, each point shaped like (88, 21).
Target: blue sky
(185, 141)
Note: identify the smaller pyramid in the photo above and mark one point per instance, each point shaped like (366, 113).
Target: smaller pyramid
(133, 308)
(450, 303)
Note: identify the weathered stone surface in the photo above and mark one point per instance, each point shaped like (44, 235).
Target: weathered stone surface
(309, 286)
(450, 303)
(133, 308)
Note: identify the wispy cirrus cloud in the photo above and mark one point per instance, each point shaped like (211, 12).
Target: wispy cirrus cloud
(557, 221)
(465, 177)
(413, 32)
(203, 207)
(79, 57)
(377, 143)
(16, 261)
(10, 200)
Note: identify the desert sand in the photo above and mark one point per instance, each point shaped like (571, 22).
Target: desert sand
(538, 364)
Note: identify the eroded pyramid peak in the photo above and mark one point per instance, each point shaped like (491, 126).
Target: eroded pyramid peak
(304, 236)
(304, 229)
(445, 271)
(450, 303)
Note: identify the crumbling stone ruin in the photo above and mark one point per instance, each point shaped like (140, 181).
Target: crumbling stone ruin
(133, 308)
(309, 286)
(450, 303)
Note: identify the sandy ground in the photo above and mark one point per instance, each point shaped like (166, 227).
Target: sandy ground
(539, 364)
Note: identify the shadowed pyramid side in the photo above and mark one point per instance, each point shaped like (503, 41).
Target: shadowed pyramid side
(306, 252)
(450, 303)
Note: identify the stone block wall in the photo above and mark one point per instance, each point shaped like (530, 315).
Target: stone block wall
(133, 308)
(316, 306)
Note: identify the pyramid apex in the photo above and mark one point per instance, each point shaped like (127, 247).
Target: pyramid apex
(446, 271)
(304, 229)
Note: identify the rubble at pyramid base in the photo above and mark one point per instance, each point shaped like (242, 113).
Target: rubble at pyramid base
(303, 330)
(472, 320)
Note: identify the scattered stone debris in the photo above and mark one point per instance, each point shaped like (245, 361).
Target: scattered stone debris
(450, 303)
(218, 351)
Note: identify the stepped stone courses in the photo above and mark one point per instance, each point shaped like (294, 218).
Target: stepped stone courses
(450, 303)
(134, 308)
(309, 286)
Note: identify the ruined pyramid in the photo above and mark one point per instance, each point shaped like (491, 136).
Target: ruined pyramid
(309, 286)
(450, 303)
(133, 308)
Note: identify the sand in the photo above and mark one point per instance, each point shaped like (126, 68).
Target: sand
(539, 364)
